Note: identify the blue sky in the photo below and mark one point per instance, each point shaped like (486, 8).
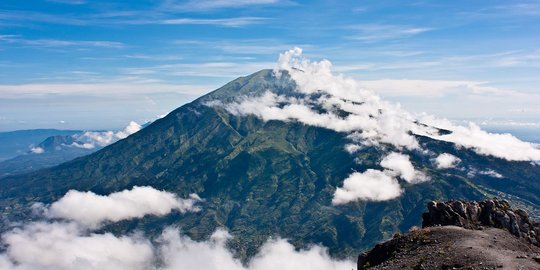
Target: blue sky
(100, 64)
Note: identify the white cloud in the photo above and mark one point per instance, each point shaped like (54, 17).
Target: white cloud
(91, 210)
(379, 32)
(242, 49)
(227, 22)
(488, 172)
(491, 173)
(180, 252)
(55, 245)
(98, 89)
(352, 148)
(267, 107)
(342, 104)
(434, 88)
(369, 119)
(15, 39)
(93, 139)
(375, 185)
(512, 123)
(401, 166)
(131, 128)
(371, 185)
(195, 5)
(59, 246)
(446, 161)
(48, 246)
(184, 253)
(372, 119)
(278, 254)
(365, 123)
(504, 146)
(37, 150)
(69, 2)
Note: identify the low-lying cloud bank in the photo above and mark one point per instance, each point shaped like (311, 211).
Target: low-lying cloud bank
(91, 210)
(70, 243)
(371, 185)
(505, 146)
(59, 246)
(376, 185)
(400, 165)
(37, 150)
(44, 245)
(93, 139)
(446, 161)
(339, 103)
(179, 252)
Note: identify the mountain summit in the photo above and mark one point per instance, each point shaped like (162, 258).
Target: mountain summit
(295, 152)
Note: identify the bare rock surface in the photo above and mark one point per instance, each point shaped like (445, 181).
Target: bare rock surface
(488, 213)
(462, 235)
(452, 247)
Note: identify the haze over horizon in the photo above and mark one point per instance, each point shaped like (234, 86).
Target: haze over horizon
(75, 64)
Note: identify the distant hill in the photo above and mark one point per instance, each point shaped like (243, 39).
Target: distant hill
(58, 149)
(14, 143)
(52, 151)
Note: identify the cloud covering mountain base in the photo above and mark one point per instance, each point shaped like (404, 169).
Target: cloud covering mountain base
(68, 242)
(91, 210)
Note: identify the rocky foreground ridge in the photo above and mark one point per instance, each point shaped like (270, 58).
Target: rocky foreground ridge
(476, 215)
(462, 235)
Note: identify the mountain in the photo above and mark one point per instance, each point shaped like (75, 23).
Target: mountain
(264, 177)
(52, 151)
(58, 149)
(14, 143)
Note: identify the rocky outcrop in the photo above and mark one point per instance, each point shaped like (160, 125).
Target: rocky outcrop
(452, 248)
(462, 235)
(477, 215)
